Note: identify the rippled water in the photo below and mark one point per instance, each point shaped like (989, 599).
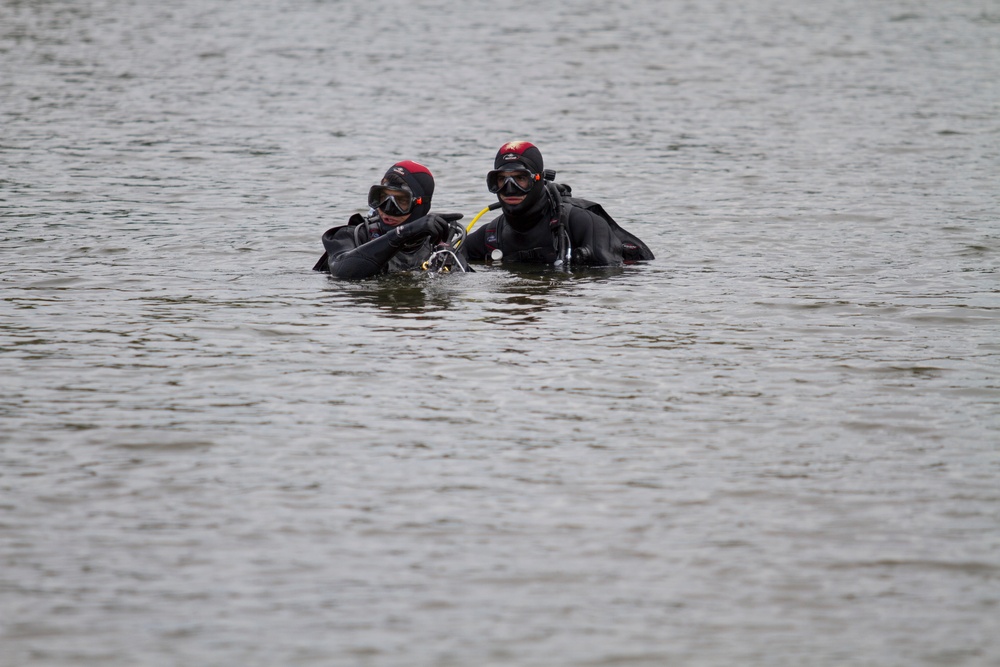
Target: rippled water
(777, 444)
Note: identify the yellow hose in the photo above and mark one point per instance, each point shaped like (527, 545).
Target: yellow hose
(479, 215)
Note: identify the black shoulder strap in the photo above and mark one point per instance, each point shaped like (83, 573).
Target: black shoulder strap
(360, 225)
(559, 224)
(491, 235)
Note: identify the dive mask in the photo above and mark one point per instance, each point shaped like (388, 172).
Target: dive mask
(521, 179)
(392, 199)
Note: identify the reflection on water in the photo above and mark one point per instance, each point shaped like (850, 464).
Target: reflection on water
(513, 291)
(398, 294)
(526, 294)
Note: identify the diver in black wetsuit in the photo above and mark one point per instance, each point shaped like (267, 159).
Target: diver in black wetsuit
(542, 223)
(399, 233)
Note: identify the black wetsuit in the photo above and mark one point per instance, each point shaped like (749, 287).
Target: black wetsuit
(367, 247)
(530, 238)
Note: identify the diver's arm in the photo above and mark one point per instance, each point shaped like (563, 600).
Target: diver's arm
(367, 259)
(475, 245)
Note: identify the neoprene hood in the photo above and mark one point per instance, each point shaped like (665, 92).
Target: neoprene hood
(522, 155)
(418, 179)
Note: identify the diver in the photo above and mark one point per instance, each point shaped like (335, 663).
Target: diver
(543, 223)
(398, 234)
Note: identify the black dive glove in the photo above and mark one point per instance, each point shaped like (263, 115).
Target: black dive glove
(436, 225)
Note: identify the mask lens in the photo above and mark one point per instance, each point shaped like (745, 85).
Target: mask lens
(386, 198)
(520, 179)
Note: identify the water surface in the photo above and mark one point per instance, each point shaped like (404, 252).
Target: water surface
(776, 444)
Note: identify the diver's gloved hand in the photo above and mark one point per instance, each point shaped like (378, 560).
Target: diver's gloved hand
(436, 226)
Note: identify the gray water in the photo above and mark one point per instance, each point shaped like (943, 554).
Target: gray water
(776, 444)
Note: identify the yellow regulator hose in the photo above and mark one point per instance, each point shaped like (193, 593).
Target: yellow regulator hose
(491, 207)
